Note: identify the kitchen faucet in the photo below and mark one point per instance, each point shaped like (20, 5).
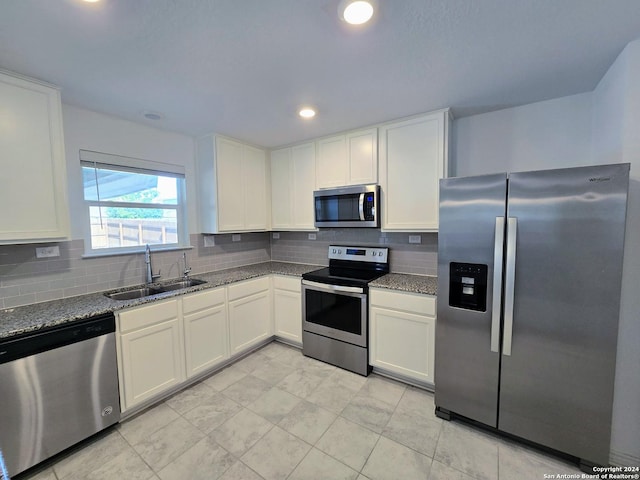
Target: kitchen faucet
(147, 260)
(187, 268)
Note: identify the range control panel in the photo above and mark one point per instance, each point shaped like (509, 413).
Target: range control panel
(359, 254)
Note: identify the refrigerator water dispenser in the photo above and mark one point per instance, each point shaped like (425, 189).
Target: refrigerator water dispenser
(468, 286)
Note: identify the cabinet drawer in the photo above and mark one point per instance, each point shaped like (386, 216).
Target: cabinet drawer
(287, 283)
(408, 302)
(248, 287)
(201, 300)
(147, 315)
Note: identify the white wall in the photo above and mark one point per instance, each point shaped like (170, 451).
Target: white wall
(87, 130)
(616, 127)
(551, 134)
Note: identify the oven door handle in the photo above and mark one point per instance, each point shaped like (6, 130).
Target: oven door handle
(332, 288)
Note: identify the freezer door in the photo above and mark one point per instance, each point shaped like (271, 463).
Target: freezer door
(558, 365)
(470, 242)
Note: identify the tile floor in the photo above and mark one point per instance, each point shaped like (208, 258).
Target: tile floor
(278, 415)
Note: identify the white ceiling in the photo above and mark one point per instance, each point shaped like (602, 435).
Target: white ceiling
(242, 67)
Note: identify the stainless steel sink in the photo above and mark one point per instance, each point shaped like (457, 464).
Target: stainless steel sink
(154, 290)
(178, 285)
(136, 293)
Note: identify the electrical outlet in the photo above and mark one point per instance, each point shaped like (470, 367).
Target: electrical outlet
(415, 238)
(46, 252)
(236, 237)
(209, 241)
(276, 235)
(312, 236)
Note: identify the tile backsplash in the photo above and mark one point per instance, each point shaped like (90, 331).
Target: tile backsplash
(25, 279)
(420, 259)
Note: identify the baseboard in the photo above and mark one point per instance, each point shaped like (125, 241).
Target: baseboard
(409, 381)
(621, 459)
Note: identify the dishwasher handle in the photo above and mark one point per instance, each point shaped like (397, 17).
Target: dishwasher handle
(31, 343)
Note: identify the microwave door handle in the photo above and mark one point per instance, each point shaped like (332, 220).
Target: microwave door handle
(361, 206)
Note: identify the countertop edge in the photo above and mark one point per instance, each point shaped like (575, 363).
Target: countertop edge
(30, 318)
(404, 282)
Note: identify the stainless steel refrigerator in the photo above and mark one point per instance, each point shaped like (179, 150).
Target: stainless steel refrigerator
(529, 277)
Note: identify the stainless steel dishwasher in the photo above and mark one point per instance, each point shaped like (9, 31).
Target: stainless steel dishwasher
(58, 386)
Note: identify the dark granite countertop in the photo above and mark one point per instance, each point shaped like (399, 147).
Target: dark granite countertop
(407, 283)
(14, 321)
(28, 318)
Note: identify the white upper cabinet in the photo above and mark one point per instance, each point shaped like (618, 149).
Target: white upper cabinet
(413, 158)
(332, 167)
(362, 147)
(281, 191)
(232, 181)
(33, 183)
(292, 183)
(349, 159)
(254, 181)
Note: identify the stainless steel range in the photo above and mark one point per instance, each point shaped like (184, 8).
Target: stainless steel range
(335, 320)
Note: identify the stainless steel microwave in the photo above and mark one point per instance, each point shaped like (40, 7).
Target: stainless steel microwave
(356, 206)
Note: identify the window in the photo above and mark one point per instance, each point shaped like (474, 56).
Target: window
(131, 203)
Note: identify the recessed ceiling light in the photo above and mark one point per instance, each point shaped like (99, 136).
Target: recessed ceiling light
(307, 112)
(91, 1)
(356, 13)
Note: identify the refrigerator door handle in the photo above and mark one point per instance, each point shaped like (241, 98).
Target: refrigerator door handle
(509, 284)
(498, 253)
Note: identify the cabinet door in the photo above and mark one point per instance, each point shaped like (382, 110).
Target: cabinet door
(249, 321)
(254, 187)
(413, 156)
(303, 165)
(287, 313)
(205, 337)
(402, 343)
(363, 156)
(33, 180)
(152, 361)
(281, 194)
(331, 167)
(229, 185)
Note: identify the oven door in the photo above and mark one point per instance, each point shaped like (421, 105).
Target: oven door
(335, 311)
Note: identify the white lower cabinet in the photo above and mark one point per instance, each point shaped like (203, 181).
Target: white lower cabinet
(150, 351)
(402, 333)
(205, 330)
(287, 309)
(249, 318)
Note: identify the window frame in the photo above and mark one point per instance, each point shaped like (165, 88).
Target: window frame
(135, 165)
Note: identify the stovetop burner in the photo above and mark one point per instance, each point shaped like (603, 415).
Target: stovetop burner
(352, 266)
